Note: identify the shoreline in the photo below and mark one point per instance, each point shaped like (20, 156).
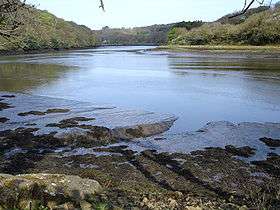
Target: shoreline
(173, 48)
(39, 51)
(220, 48)
(133, 158)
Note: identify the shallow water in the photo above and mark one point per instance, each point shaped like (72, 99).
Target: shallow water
(197, 87)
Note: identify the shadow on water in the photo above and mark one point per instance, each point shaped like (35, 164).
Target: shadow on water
(26, 76)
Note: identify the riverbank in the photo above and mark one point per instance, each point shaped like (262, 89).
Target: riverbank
(220, 48)
(136, 166)
(41, 51)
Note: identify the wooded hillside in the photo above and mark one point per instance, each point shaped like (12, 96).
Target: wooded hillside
(259, 26)
(42, 30)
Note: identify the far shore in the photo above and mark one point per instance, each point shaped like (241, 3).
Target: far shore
(221, 48)
(39, 51)
(51, 50)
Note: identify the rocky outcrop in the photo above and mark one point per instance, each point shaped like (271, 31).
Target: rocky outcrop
(271, 142)
(78, 123)
(243, 140)
(32, 191)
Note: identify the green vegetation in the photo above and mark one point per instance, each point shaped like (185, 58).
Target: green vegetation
(149, 35)
(258, 28)
(221, 48)
(101, 206)
(156, 34)
(43, 30)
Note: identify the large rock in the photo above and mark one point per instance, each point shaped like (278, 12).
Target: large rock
(50, 190)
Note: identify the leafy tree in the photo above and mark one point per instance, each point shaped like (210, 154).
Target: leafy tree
(188, 25)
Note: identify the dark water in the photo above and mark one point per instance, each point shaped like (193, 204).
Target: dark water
(197, 87)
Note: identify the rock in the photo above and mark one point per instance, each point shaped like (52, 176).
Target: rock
(56, 110)
(39, 113)
(229, 206)
(4, 106)
(3, 119)
(193, 208)
(93, 124)
(65, 206)
(271, 142)
(23, 114)
(240, 151)
(86, 205)
(172, 203)
(270, 165)
(8, 96)
(53, 190)
(243, 208)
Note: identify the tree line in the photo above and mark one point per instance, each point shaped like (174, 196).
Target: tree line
(11, 18)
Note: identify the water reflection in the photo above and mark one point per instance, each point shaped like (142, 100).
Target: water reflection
(249, 77)
(197, 87)
(26, 76)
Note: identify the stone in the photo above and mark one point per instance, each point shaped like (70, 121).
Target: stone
(65, 206)
(172, 203)
(20, 191)
(271, 142)
(193, 208)
(3, 119)
(229, 206)
(86, 205)
(4, 106)
(93, 124)
(240, 151)
(8, 96)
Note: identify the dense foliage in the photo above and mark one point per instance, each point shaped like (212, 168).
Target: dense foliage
(43, 30)
(188, 25)
(156, 34)
(260, 28)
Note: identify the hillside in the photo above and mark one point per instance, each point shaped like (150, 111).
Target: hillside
(42, 30)
(259, 27)
(150, 35)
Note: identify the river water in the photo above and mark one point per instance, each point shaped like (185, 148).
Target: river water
(197, 87)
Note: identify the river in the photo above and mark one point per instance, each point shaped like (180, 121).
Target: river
(197, 87)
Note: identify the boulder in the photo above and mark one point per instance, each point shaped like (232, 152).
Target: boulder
(54, 191)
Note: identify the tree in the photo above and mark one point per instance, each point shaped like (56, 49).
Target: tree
(247, 6)
(10, 19)
(11, 14)
(102, 5)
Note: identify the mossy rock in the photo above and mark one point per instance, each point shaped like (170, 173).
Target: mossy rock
(54, 191)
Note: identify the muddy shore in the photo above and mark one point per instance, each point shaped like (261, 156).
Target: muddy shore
(274, 50)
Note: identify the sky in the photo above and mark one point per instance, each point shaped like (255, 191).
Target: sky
(131, 13)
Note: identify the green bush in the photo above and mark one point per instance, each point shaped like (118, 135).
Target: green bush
(259, 29)
(30, 43)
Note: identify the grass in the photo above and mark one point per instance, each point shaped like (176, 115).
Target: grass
(228, 48)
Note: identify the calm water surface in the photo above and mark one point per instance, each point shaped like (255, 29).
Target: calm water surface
(198, 87)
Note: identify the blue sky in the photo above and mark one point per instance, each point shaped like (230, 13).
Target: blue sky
(130, 13)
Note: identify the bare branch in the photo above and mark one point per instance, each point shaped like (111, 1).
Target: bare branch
(245, 9)
(247, 6)
(102, 5)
